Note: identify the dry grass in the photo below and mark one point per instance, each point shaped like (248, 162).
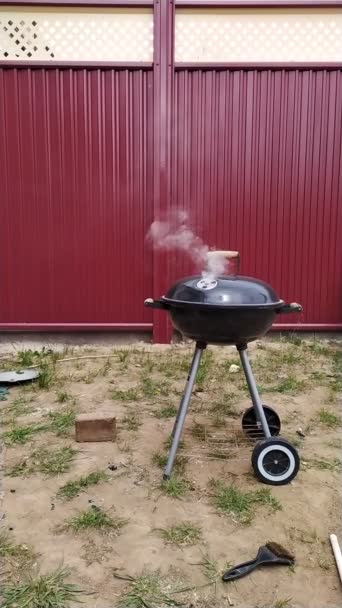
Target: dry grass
(49, 462)
(16, 559)
(184, 533)
(149, 590)
(146, 386)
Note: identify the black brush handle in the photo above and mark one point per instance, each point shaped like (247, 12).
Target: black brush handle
(240, 571)
(265, 557)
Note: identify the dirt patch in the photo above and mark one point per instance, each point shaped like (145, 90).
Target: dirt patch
(142, 387)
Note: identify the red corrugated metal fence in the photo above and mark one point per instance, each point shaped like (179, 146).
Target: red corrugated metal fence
(255, 157)
(76, 156)
(257, 161)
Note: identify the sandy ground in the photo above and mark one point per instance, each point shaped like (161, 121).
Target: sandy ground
(299, 380)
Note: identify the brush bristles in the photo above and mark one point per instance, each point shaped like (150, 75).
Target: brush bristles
(280, 551)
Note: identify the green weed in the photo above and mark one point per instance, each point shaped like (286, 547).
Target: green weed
(61, 421)
(326, 465)
(44, 591)
(95, 519)
(131, 421)
(185, 533)
(19, 407)
(74, 488)
(261, 346)
(7, 420)
(329, 419)
(289, 385)
(292, 338)
(335, 388)
(168, 442)
(336, 355)
(16, 558)
(319, 348)
(309, 537)
(205, 369)
(229, 362)
(240, 504)
(211, 569)
(46, 461)
(220, 454)
(25, 358)
(63, 397)
(105, 368)
(53, 462)
(167, 411)
(128, 395)
(159, 459)
(173, 367)
(151, 388)
(23, 434)
(224, 407)
(88, 378)
(295, 440)
(289, 357)
(29, 357)
(283, 603)
(148, 365)
(176, 487)
(123, 356)
(46, 376)
(149, 590)
(318, 377)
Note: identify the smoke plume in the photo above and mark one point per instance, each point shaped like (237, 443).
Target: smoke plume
(175, 234)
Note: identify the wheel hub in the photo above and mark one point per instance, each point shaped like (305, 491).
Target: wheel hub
(276, 462)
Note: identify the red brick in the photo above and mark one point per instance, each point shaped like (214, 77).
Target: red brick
(95, 427)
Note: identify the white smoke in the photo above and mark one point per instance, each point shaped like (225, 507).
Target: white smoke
(215, 266)
(175, 234)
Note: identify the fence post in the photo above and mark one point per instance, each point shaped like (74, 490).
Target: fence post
(163, 70)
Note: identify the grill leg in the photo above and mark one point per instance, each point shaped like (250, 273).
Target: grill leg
(183, 408)
(254, 391)
(182, 400)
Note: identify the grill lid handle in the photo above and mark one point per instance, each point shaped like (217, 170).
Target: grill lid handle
(292, 307)
(150, 303)
(228, 255)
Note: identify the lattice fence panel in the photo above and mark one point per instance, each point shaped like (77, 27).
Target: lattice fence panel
(75, 34)
(258, 35)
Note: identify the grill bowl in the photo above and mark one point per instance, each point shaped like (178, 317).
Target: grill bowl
(227, 310)
(222, 326)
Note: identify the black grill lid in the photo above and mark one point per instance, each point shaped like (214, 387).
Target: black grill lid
(225, 291)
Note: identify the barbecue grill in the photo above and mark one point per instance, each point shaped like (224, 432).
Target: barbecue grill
(232, 310)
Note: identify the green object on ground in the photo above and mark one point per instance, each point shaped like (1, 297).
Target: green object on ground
(3, 393)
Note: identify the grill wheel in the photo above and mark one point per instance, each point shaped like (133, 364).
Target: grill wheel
(252, 427)
(275, 461)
